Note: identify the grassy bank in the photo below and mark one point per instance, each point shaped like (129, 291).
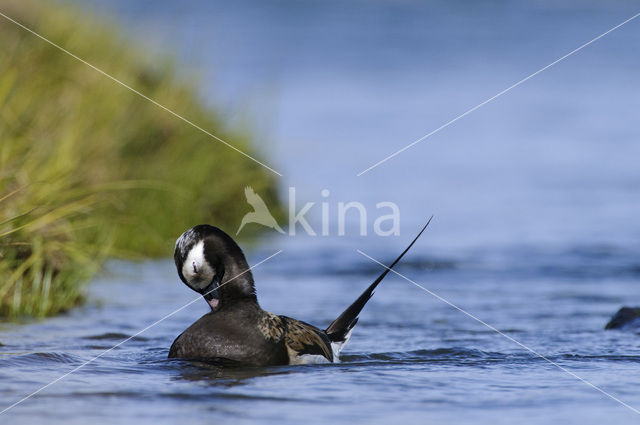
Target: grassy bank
(90, 170)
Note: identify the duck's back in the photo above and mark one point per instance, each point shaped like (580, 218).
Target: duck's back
(241, 334)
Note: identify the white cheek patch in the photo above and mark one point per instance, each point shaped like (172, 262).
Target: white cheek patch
(196, 270)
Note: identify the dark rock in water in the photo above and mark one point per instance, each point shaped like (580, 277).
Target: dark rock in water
(626, 317)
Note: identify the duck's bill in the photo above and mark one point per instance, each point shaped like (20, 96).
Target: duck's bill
(210, 294)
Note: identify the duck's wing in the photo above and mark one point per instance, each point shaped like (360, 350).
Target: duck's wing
(305, 342)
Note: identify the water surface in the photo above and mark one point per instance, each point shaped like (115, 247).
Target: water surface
(412, 358)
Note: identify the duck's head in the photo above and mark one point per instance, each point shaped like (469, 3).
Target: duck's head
(212, 264)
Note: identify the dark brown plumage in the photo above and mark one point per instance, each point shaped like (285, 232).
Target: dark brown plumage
(237, 330)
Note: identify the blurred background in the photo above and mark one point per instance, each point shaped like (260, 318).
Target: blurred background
(332, 88)
(536, 198)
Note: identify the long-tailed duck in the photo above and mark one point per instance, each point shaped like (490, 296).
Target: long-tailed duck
(236, 329)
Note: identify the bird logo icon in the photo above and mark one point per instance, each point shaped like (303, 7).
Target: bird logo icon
(260, 213)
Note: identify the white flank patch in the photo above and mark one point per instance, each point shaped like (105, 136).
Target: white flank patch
(336, 347)
(196, 270)
(308, 359)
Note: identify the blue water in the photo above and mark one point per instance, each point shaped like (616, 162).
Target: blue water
(536, 198)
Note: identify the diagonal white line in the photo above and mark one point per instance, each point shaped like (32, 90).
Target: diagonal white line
(131, 337)
(504, 335)
(480, 105)
(191, 123)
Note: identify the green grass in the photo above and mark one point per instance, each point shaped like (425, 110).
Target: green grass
(90, 170)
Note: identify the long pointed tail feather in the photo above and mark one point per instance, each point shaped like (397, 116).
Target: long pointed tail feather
(340, 328)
